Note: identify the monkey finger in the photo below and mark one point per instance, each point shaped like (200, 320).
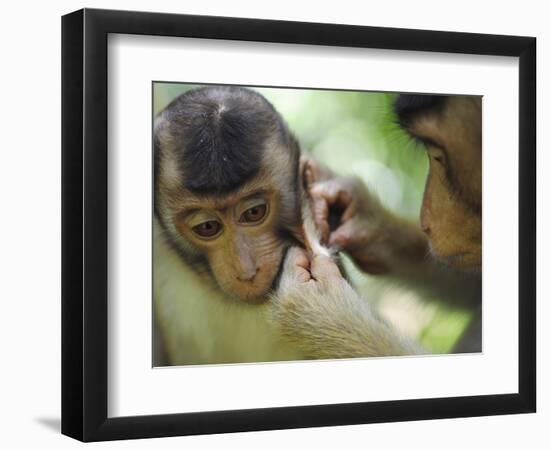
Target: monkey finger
(326, 189)
(336, 191)
(349, 212)
(343, 236)
(333, 205)
(324, 268)
(302, 275)
(296, 267)
(339, 206)
(320, 217)
(296, 257)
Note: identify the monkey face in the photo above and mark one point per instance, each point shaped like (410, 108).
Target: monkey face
(451, 208)
(239, 235)
(453, 229)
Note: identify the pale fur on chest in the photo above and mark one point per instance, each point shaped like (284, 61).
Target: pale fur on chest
(200, 326)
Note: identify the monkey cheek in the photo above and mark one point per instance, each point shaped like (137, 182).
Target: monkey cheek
(457, 254)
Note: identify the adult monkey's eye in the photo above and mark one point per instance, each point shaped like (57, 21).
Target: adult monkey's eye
(207, 229)
(438, 156)
(254, 214)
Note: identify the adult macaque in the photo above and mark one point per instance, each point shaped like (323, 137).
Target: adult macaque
(227, 208)
(317, 309)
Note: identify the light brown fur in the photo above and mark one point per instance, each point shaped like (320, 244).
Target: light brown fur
(330, 320)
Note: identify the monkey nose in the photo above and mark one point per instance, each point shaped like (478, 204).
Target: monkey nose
(248, 276)
(425, 225)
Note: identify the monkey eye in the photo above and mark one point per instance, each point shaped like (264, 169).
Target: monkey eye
(254, 214)
(439, 157)
(207, 229)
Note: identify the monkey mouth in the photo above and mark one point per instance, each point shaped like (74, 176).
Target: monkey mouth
(465, 261)
(256, 291)
(248, 293)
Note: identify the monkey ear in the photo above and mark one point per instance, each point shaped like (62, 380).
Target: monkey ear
(312, 171)
(307, 171)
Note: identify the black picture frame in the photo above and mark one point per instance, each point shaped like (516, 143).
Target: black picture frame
(84, 224)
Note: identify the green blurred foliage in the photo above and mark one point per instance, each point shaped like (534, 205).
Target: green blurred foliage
(356, 133)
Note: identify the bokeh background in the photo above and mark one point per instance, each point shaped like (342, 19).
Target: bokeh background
(355, 133)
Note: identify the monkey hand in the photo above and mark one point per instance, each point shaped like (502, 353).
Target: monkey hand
(352, 219)
(346, 215)
(311, 291)
(299, 269)
(317, 310)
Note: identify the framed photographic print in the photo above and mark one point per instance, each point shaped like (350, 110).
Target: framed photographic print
(273, 224)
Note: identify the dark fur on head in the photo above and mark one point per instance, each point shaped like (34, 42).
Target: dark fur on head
(221, 132)
(407, 106)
